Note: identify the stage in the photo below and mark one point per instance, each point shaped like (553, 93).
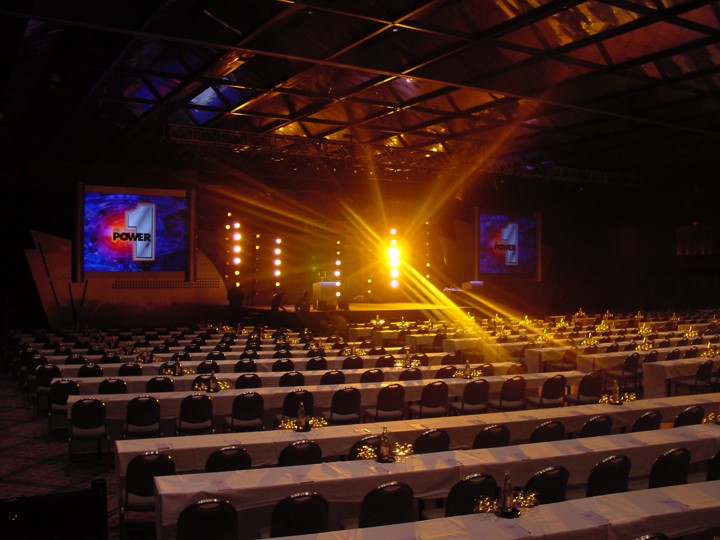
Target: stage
(356, 313)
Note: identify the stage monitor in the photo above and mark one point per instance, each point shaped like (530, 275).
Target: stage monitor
(508, 245)
(134, 232)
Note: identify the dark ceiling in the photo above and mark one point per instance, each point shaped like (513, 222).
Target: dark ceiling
(614, 91)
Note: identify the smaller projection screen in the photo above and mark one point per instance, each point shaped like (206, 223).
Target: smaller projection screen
(134, 231)
(508, 245)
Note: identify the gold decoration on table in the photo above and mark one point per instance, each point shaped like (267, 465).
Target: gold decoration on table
(397, 450)
(580, 314)
(525, 321)
(313, 422)
(690, 333)
(497, 319)
(211, 387)
(377, 321)
(407, 362)
(607, 315)
(562, 323)
(621, 398)
(468, 373)
(712, 417)
(644, 330)
(644, 345)
(545, 336)
(510, 503)
(710, 351)
(602, 327)
(589, 340)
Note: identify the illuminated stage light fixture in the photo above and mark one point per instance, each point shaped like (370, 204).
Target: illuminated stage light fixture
(277, 261)
(233, 241)
(337, 272)
(394, 259)
(427, 250)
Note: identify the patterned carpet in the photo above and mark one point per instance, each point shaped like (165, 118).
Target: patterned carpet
(30, 464)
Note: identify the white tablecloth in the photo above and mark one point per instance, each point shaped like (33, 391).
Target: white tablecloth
(254, 492)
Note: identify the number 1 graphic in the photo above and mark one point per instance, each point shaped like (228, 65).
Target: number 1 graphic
(142, 219)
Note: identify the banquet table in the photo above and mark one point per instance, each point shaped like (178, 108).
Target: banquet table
(596, 361)
(190, 452)
(254, 492)
(658, 376)
(136, 384)
(116, 404)
(676, 510)
(228, 365)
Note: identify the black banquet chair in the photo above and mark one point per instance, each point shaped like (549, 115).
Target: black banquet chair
(88, 422)
(689, 416)
(161, 383)
(512, 395)
(130, 369)
(206, 519)
(549, 484)
(551, 393)
(291, 378)
(671, 468)
(432, 440)
(647, 421)
(303, 452)
(474, 399)
(550, 430)
(228, 458)
(248, 380)
(300, 513)
(389, 405)
(386, 504)
(112, 385)
(492, 436)
(462, 496)
(247, 414)
(609, 475)
(196, 415)
(142, 418)
(138, 492)
(334, 376)
(433, 401)
(597, 426)
(345, 406)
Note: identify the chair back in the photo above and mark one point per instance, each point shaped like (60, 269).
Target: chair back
(549, 484)
(248, 406)
(462, 496)
(690, 416)
(228, 458)
(316, 363)
(372, 441)
(554, 387)
(112, 385)
(196, 408)
(487, 370)
(385, 361)
(387, 504)
(450, 359)
(434, 394)
(432, 440)
(597, 426)
(143, 411)
(551, 430)
(476, 392)
(391, 397)
(304, 452)
(609, 475)
(445, 372)
(61, 389)
(670, 468)
(647, 421)
(160, 383)
(651, 356)
(88, 413)
(513, 390)
(352, 362)
(245, 365)
(333, 377)
(292, 400)
(410, 374)
(345, 401)
(142, 469)
(292, 378)
(591, 385)
(45, 373)
(90, 370)
(372, 375)
(208, 518)
(283, 364)
(300, 513)
(207, 366)
(130, 369)
(492, 436)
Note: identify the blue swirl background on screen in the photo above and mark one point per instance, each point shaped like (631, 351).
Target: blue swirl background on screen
(105, 213)
(492, 260)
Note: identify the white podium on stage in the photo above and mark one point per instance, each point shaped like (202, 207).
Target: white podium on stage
(323, 295)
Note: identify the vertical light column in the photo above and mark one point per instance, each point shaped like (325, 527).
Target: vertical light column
(428, 272)
(277, 261)
(233, 240)
(337, 273)
(394, 259)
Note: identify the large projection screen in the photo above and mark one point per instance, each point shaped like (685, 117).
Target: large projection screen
(508, 245)
(134, 232)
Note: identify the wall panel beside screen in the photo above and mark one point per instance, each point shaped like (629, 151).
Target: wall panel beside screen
(134, 232)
